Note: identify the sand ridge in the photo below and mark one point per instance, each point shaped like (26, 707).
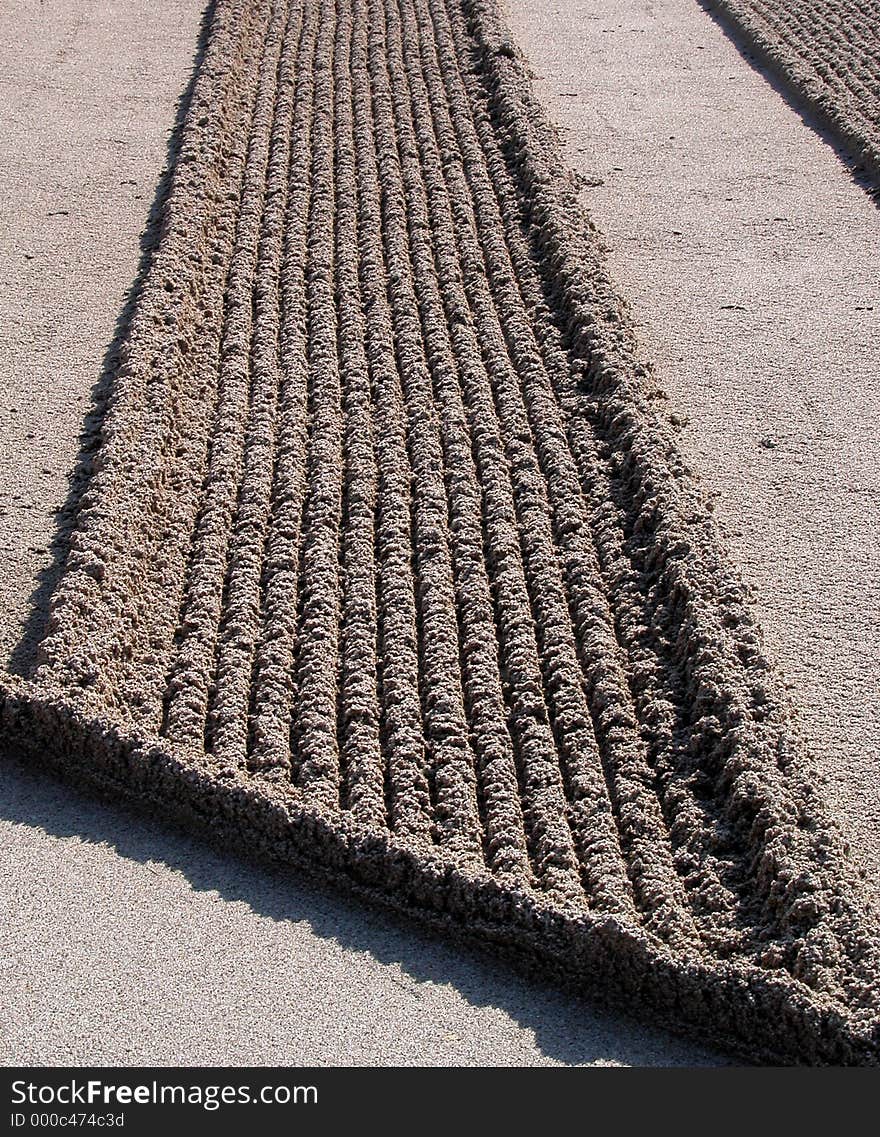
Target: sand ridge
(547, 715)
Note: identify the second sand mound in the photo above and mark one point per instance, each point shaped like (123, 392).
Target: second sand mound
(828, 53)
(388, 567)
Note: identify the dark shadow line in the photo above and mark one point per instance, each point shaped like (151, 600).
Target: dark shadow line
(862, 171)
(23, 657)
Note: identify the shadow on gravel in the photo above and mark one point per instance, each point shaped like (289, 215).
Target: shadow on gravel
(566, 1029)
(23, 657)
(866, 179)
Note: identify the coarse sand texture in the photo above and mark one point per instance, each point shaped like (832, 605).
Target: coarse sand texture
(388, 567)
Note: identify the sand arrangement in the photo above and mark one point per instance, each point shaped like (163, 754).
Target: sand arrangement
(389, 569)
(827, 52)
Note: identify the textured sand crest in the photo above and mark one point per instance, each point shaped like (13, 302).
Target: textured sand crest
(387, 566)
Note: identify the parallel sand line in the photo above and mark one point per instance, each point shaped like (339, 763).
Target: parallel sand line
(827, 52)
(388, 568)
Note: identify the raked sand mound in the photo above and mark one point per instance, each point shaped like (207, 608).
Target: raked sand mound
(388, 568)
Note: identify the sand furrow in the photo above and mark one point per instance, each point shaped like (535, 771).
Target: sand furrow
(588, 807)
(453, 783)
(443, 310)
(363, 785)
(240, 621)
(315, 723)
(655, 700)
(605, 716)
(406, 773)
(273, 662)
(188, 685)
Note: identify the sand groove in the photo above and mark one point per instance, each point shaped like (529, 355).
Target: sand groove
(388, 566)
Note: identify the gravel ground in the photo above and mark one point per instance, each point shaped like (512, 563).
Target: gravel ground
(124, 943)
